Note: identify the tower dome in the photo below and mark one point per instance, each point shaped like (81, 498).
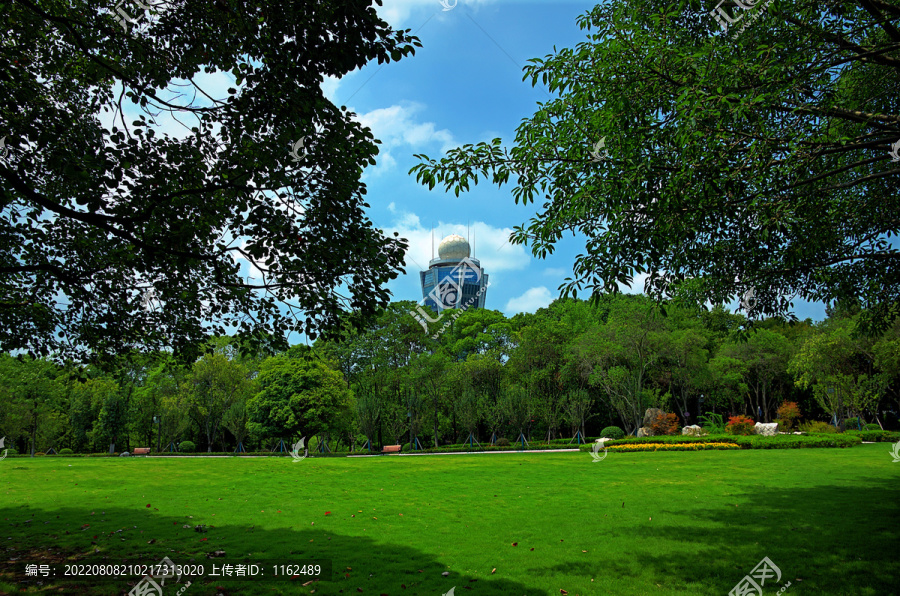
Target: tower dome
(453, 247)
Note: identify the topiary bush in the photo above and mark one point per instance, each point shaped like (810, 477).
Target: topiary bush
(11, 451)
(871, 426)
(66, 451)
(739, 425)
(502, 442)
(187, 447)
(612, 432)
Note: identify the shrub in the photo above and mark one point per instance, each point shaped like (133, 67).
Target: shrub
(12, 451)
(66, 451)
(612, 432)
(817, 426)
(788, 412)
(502, 442)
(187, 447)
(739, 425)
(871, 426)
(851, 424)
(665, 424)
(39, 453)
(713, 424)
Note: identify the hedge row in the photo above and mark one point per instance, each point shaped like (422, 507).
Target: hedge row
(876, 436)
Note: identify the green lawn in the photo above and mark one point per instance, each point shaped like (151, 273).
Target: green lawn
(649, 523)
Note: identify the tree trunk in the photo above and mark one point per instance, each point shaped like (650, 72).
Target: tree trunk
(436, 426)
(34, 432)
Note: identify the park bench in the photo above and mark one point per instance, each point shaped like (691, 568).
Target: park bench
(141, 451)
(391, 449)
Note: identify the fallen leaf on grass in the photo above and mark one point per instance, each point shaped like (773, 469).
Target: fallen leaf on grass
(151, 541)
(563, 592)
(515, 544)
(493, 571)
(148, 505)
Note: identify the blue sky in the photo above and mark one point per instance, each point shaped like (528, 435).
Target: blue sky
(465, 86)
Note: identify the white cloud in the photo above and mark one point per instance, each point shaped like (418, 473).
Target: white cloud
(330, 87)
(490, 245)
(399, 12)
(530, 301)
(554, 272)
(396, 127)
(637, 284)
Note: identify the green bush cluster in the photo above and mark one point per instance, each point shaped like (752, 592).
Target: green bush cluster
(612, 432)
(817, 426)
(65, 451)
(187, 447)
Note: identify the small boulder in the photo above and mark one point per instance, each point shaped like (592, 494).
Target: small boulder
(644, 432)
(692, 430)
(124, 454)
(651, 415)
(766, 429)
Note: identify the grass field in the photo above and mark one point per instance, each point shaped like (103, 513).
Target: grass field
(650, 523)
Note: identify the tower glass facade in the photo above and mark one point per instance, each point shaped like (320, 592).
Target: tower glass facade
(454, 279)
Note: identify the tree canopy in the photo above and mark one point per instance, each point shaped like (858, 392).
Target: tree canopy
(115, 233)
(758, 162)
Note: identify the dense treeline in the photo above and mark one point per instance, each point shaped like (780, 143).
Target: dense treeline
(570, 368)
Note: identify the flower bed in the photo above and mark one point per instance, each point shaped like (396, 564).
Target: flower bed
(680, 446)
(747, 442)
